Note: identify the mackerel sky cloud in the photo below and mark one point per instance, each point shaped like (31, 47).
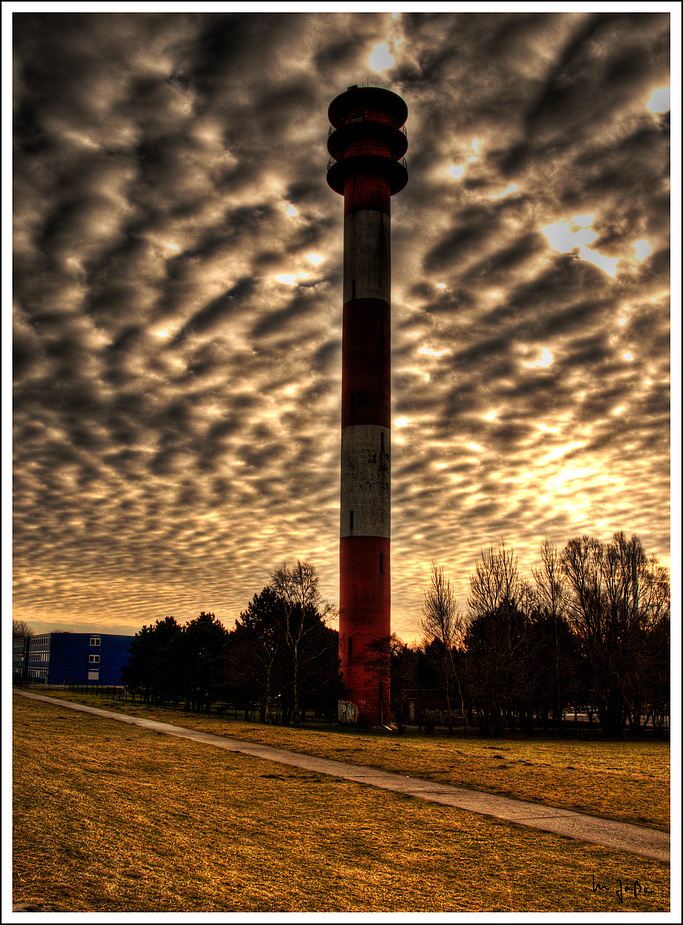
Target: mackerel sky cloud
(177, 297)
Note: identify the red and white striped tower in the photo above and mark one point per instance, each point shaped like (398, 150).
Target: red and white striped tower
(367, 144)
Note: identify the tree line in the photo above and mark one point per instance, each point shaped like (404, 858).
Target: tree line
(280, 660)
(589, 630)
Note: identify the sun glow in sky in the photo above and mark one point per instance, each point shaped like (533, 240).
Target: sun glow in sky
(513, 188)
(564, 236)
(381, 59)
(434, 353)
(660, 101)
(561, 451)
(545, 360)
(178, 298)
(643, 249)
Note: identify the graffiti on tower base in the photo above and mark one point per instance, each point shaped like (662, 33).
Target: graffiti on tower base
(347, 712)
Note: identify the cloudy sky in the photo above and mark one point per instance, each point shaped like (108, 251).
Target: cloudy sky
(177, 297)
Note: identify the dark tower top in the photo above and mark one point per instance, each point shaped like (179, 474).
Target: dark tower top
(367, 134)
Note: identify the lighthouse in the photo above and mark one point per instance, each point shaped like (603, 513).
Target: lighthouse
(367, 142)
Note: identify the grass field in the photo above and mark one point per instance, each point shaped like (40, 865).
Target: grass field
(627, 781)
(114, 818)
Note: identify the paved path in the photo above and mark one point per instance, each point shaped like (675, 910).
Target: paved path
(620, 836)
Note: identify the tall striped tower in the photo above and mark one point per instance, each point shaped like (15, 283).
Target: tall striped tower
(367, 142)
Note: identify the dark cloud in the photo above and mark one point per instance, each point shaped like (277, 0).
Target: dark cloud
(177, 340)
(217, 310)
(462, 242)
(506, 259)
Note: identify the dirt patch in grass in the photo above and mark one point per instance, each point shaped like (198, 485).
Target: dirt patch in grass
(112, 818)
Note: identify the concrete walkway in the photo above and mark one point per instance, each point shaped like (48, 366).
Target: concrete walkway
(619, 836)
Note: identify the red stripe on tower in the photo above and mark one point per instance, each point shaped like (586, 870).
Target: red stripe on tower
(367, 144)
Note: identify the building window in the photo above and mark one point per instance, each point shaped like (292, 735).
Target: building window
(94, 659)
(95, 641)
(94, 675)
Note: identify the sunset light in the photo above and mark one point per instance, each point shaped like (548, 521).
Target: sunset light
(660, 101)
(563, 236)
(513, 188)
(561, 451)
(369, 546)
(566, 235)
(643, 249)
(608, 264)
(181, 280)
(434, 353)
(545, 360)
(380, 59)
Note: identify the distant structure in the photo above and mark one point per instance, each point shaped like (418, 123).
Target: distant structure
(70, 658)
(367, 142)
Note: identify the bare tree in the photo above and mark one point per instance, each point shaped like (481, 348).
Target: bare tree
(552, 594)
(298, 588)
(495, 581)
(618, 597)
(443, 625)
(21, 629)
(297, 585)
(551, 588)
(403, 675)
(497, 638)
(257, 655)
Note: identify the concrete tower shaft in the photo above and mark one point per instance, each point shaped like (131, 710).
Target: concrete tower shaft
(367, 142)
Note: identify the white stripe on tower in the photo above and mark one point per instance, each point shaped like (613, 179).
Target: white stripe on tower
(366, 481)
(367, 256)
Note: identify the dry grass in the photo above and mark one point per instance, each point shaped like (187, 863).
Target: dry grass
(113, 818)
(627, 781)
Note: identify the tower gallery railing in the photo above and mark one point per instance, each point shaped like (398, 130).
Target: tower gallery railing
(332, 161)
(366, 117)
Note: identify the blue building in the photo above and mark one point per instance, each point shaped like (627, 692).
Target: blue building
(71, 658)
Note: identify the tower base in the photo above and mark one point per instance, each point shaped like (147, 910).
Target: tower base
(365, 628)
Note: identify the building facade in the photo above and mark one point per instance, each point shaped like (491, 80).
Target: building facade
(70, 658)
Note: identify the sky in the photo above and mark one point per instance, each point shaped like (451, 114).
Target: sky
(177, 296)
